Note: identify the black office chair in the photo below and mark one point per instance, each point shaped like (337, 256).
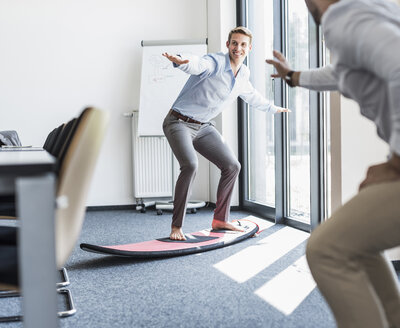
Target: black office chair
(8, 256)
(65, 134)
(57, 144)
(52, 139)
(7, 202)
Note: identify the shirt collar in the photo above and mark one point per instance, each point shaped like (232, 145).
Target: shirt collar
(227, 62)
(228, 66)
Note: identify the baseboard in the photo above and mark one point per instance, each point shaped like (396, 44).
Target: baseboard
(233, 208)
(209, 204)
(110, 208)
(133, 207)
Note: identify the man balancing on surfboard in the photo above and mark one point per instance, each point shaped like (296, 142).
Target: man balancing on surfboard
(215, 81)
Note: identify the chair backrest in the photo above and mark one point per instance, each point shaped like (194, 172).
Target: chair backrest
(52, 139)
(74, 179)
(64, 137)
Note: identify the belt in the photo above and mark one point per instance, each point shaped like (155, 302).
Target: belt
(183, 117)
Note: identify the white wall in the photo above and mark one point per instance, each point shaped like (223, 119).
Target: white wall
(354, 147)
(361, 147)
(59, 56)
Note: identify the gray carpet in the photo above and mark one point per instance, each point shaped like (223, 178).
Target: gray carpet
(182, 291)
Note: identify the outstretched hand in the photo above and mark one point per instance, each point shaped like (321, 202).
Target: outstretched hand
(175, 59)
(283, 110)
(280, 63)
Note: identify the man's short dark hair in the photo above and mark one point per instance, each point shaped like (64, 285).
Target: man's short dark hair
(240, 30)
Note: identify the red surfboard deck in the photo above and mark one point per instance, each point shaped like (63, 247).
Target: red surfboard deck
(195, 242)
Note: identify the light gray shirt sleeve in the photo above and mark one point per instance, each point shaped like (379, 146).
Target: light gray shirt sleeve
(197, 65)
(318, 79)
(256, 100)
(378, 49)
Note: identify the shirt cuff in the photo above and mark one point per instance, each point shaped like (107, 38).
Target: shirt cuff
(305, 78)
(174, 64)
(274, 109)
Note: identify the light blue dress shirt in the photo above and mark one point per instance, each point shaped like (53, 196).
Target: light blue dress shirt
(212, 85)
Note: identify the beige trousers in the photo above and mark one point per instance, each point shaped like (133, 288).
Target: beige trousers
(345, 255)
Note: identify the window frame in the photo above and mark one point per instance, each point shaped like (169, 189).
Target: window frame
(279, 214)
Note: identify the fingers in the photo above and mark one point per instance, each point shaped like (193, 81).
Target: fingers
(278, 55)
(273, 62)
(175, 59)
(168, 56)
(283, 110)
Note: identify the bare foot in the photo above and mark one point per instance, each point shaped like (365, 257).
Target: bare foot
(176, 233)
(221, 225)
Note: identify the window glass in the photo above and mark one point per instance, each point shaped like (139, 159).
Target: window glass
(261, 144)
(299, 118)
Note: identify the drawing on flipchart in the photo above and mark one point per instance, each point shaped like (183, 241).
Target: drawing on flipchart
(161, 69)
(161, 83)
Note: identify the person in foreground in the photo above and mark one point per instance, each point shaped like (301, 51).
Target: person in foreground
(215, 81)
(345, 253)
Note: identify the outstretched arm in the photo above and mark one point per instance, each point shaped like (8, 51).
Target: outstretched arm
(175, 59)
(192, 64)
(282, 68)
(259, 102)
(319, 79)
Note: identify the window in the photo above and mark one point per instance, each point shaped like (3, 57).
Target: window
(261, 135)
(283, 155)
(298, 100)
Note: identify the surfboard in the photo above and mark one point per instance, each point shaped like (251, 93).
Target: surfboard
(196, 242)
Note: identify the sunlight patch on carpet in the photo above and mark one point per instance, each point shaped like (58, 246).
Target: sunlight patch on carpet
(247, 263)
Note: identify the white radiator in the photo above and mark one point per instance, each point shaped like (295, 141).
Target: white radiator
(152, 165)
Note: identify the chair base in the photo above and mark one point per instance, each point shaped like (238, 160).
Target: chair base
(71, 310)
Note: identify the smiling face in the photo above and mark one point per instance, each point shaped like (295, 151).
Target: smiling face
(238, 46)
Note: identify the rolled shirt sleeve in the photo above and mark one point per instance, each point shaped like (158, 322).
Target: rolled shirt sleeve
(256, 100)
(197, 65)
(319, 79)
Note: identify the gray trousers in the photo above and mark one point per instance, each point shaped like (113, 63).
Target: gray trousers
(345, 255)
(187, 138)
